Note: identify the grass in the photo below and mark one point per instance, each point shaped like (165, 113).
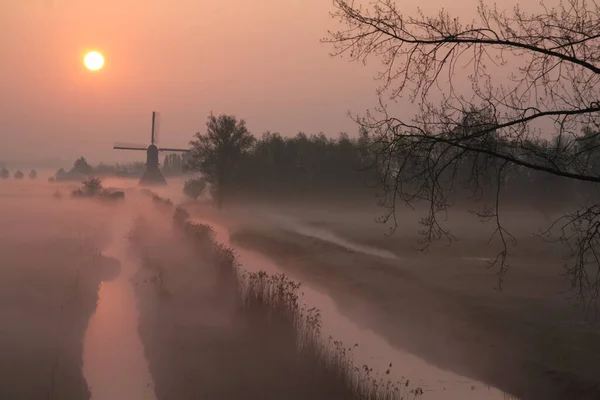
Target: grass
(275, 331)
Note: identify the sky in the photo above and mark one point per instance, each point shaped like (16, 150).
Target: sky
(260, 60)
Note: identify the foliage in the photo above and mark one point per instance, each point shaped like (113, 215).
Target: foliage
(33, 174)
(92, 186)
(193, 188)
(303, 165)
(217, 152)
(487, 132)
(19, 175)
(173, 164)
(82, 167)
(4, 173)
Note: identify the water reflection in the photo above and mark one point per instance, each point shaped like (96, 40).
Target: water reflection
(114, 363)
(372, 349)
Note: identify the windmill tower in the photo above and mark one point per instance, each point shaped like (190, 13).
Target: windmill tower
(152, 175)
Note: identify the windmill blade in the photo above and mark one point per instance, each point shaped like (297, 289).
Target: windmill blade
(155, 126)
(174, 150)
(129, 146)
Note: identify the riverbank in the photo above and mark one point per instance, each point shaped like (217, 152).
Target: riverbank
(442, 306)
(51, 267)
(48, 292)
(213, 333)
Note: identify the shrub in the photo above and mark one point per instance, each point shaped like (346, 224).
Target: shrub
(194, 188)
(90, 187)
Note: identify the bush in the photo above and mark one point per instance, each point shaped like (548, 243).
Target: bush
(194, 188)
(90, 187)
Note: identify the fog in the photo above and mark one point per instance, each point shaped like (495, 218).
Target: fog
(93, 309)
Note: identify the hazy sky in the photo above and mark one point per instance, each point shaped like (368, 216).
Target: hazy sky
(258, 59)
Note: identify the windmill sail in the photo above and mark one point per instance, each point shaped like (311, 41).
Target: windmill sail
(155, 126)
(175, 150)
(129, 146)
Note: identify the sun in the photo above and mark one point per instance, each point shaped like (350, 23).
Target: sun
(94, 61)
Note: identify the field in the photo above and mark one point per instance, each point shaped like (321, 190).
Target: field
(212, 331)
(50, 271)
(199, 337)
(527, 339)
(108, 300)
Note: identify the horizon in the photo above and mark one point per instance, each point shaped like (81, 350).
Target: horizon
(262, 62)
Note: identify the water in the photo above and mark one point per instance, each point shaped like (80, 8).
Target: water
(114, 363)
(295, 226)
(372, 349)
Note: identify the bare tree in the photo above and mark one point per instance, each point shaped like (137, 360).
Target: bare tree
(488, 127)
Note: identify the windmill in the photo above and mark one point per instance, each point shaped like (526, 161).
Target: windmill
(152, 175)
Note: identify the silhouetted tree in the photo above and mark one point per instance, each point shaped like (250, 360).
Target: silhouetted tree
(91, 186)
(81, 166)
(302, 165)
(217, 152)
(173, 164)
(19, 175)
(4, 173)
(193, 188)
(33, 174)
(485, 123)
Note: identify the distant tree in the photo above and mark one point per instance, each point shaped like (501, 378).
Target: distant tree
(193, 188)
(219, 151)
(173, 164)
(91, 186)
(82, 166)
(33, 174)
(4, 173)
(19, 175)
(60, 172)
(103, 169)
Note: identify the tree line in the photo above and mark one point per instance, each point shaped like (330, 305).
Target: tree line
(236, 165)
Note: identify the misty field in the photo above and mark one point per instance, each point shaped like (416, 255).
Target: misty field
(211, 331)
(50, 271)
(205, 328)
(528, 339)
